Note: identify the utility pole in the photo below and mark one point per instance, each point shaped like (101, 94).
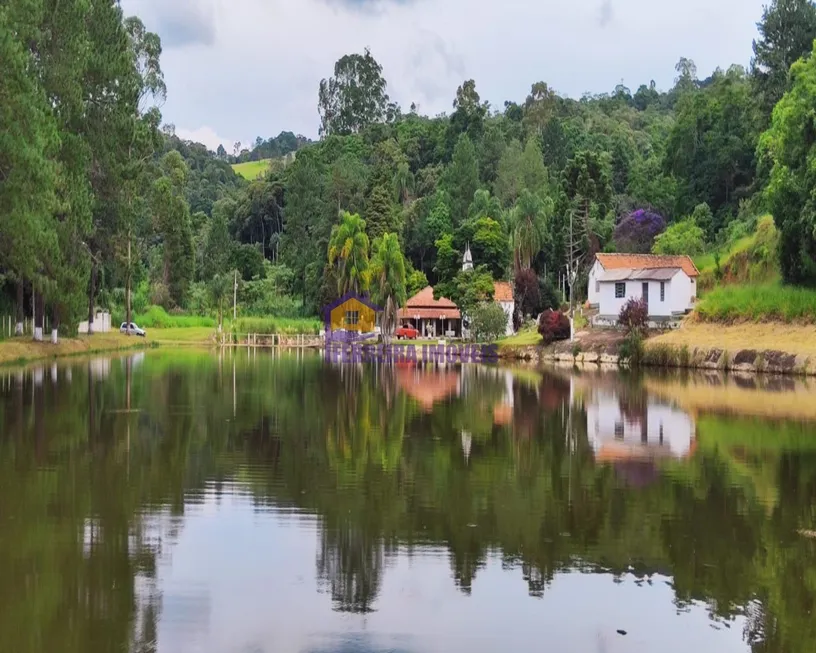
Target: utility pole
(235, 298)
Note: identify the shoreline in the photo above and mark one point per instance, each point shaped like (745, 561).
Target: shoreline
(658, 356)
(24, 350)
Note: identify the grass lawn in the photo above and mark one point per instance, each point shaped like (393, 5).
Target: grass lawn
(188, 335)
(251, 169)
(521, 339)
(21, 350)
(791, 338)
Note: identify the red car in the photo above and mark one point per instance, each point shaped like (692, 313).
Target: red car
(406, 332)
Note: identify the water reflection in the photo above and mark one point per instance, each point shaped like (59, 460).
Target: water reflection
(243, 501)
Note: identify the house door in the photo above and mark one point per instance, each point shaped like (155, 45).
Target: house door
(646, 294)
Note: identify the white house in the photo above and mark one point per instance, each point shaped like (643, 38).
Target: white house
(668, 284)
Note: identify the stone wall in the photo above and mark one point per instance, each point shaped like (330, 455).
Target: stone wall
(746, 360)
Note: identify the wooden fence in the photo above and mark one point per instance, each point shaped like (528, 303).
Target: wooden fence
(299, 340)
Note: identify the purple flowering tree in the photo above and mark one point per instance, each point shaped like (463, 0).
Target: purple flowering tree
(637, 231)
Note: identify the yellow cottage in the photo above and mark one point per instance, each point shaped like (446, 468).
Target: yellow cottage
(351, 312)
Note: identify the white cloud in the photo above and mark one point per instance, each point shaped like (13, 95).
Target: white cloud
(255, 65)
(207, 136)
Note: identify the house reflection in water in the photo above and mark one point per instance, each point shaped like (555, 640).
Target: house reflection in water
(629, 427)
(427, 385)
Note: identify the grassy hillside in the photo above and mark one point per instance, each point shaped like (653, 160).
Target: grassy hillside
(750, 259)
(771, 301)
(251, 169)
(745, 284)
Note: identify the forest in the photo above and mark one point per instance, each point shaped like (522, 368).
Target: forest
(103, 206)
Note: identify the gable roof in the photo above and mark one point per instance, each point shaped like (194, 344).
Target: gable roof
(647, 262)
(649, 274)
(502, 291)
(363, 299)
(425, 299)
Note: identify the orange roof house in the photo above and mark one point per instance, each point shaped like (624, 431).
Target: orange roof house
(432, 317)
(502, 291)
(424, 305)
(667, 285)
(647, 262)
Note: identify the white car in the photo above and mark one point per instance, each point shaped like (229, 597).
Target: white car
(133, 329)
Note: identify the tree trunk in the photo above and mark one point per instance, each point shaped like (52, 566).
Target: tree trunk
(55, 324)
(128, 283)
(18, 329)
(91, 297)
(39, 311)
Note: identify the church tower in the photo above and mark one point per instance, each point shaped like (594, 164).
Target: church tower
(467, 260)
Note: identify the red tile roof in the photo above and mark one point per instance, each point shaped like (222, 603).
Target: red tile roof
(409, 313)
(502, 291)
(425, 299)
(647, 262)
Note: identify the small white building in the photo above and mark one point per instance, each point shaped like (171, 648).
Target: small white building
(668, 285)
(503, 296)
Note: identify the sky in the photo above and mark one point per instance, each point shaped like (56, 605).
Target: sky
(237, 69)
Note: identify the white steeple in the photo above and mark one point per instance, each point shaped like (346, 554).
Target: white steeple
(467, 260)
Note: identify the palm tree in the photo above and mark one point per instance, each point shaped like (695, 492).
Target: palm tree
(388, 276)
(485, 205)
(403, 182)
(528, 227)
(348, 247)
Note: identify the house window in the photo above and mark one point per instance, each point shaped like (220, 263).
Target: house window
(619, 430)
(352, 318)
(620, 290)
(662, 291)
(597, 286)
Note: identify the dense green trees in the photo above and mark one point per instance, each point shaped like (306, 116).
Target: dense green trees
(787, 31)
(540, 184)
(789, 144)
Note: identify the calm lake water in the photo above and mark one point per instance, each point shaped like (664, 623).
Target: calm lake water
(250, 502)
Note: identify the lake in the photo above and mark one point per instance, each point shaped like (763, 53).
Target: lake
(252, 501)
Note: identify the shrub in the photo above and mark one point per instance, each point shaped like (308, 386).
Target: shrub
(659, 355)
(634, 316)
(552, 326)
(549, 295)
(631, 349)
(488, 321)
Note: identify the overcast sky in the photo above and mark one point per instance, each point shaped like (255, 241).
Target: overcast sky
(237, 69)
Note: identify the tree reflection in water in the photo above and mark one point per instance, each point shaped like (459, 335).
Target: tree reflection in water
(98, 471)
